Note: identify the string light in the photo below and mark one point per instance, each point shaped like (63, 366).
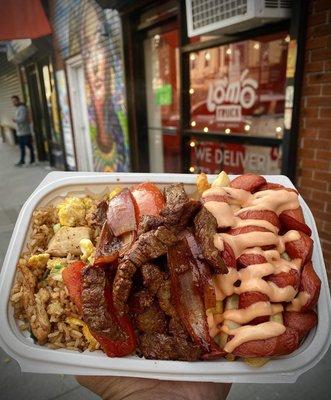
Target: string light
(287, 39)
(192, 143)
(256, 46)
(278, 129)
(207, 56)
(191, 91)
(247, 127)
(205, 129)
(192, 169)
(228, 51)
(227, 131)
(193, 56)
(193, 123)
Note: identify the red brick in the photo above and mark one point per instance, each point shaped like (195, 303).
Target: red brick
(317, 19)
(325, 235)
(311, 183)
(325, 135)
(326, 89)
(317, 164)
(319, 78)
(323, 155)
(306, 173)
(317, 43)
(306, 153)
(327, 66)
(315, 204)
(323, 176)
(320, 30)
(316, 143)
(320, 54)
(320, 124)
(317, 66)
(309, 133)
(321, 214)
(312, 90)
(321, 5)
(325, 113)
(319, 101)
(322, 195)
(311, 112)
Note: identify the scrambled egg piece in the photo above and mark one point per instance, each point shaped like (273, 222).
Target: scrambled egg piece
(56, 227)
(38, 260)
(87, 249)
(56, 265)
(86, 332)
(72, 210)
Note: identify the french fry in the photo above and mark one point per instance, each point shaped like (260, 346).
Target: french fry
(256, 362)
(232, 303)
(202, 183)
(230, 357)
(222, 180)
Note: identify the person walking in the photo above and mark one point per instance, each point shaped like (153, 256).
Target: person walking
(24, 136)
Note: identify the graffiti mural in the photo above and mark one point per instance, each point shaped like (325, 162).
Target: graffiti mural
(82, 25)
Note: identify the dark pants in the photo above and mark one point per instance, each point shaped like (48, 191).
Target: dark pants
(23, 141)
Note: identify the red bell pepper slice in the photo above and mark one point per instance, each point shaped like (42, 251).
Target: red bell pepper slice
(72, 277)
(149, 199)
(186, 293)
(122, 213)
(73, 280)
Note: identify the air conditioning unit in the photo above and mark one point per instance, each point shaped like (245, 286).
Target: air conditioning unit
(231, 16)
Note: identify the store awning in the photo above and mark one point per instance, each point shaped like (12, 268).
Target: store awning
(22, 19)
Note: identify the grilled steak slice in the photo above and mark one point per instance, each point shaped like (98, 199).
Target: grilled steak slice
(176, 329)
(95, 312)
(164, 297)
(140, 301)
(151, 320)
(149, 222)
(152, 277)
(122, 284)
(179, 208)
(151, 245)
(163, 347)
(205, 226)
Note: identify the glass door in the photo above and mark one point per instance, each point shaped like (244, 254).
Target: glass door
(161, 55)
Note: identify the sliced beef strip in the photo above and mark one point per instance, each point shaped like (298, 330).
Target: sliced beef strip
(152, 277)
(122, 284)
(179, 208)
(95, 313)
(151, 320)
(164, 298)
(149, 222)
(101, 212)
(140, 301)
(176, 328)
(163, 347)
(205, 226)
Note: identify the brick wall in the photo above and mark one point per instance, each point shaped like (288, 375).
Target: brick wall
(314, 173)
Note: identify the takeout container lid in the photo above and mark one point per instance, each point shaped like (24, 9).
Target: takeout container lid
(35, 358)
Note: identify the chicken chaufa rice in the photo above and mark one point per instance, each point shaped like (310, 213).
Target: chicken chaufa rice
(165, 276)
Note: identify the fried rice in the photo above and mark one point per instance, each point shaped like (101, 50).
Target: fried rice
(49, 306)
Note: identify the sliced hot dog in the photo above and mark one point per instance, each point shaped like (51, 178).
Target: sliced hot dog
(283, 279)
(266, 215)
(247, 259)
(276, 346)
(301, 248)
(249, 182)
(311, 284)
(294, 219)
(247, 299)
(302, 322)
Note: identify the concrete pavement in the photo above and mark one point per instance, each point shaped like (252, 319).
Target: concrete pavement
(15, 186)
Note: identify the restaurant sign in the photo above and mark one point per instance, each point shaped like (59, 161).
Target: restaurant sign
(227, 99)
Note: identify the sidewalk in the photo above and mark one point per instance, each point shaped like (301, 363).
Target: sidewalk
(16, 184)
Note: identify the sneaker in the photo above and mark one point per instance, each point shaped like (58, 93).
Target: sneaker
(19, 164)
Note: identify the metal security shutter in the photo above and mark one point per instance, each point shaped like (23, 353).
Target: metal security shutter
(9, 86)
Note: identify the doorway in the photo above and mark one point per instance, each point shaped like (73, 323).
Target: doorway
(76, 81)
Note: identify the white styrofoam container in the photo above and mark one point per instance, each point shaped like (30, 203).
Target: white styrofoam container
(35, 358)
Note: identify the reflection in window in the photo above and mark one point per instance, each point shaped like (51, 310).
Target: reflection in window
(240, 88)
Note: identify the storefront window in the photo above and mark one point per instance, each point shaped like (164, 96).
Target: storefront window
(212, 157)
(240, 88)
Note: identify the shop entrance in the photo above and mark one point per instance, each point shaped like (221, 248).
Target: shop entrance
(76, 80)
(161, 56)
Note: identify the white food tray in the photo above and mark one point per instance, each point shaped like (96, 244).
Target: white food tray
(35, 358)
